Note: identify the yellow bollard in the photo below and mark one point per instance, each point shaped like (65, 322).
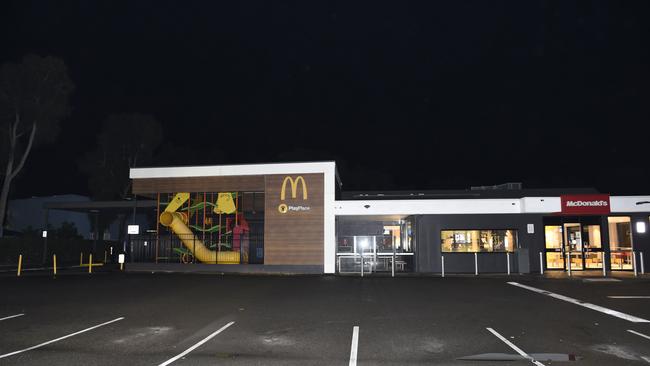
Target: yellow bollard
(81, 259)
(90, 264)
(54, 260)
(20, 264)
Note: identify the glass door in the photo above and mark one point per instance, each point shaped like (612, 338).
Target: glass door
(620, 242)
(592, 247)
(573, 246)
(553, 247)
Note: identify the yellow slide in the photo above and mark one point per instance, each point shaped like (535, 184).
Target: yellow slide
(174, 221)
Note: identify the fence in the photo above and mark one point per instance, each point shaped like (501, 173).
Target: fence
(37, 252)
(172, 248)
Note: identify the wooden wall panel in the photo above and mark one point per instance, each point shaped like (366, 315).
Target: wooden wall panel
(199, 184)
(294, 237)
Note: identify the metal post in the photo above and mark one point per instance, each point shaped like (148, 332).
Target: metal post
(568, 260)
(393, 266)
(634, 263)
(604, 267)
(339, 260)
(508, 259)
(443, 265)
(20, 264)
(81, 259)
(361, 262)
(393, 245)
(541, 264)
(90, 263)
(47, 219)
(642, 264)
(475, 264)
(54, 262)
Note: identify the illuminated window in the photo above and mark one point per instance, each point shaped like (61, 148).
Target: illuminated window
(620, 233)
(455, 241)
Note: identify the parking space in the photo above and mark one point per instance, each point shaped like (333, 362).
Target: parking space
(166, 319)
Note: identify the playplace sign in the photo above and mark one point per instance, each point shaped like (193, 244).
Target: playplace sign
(585, 204)
(293, 184)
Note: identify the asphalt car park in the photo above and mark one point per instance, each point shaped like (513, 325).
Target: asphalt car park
(190, 319)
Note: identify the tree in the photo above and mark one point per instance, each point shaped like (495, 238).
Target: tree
(125, 141)
(33, 100)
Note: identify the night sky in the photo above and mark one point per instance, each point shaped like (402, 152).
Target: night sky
(403, 95)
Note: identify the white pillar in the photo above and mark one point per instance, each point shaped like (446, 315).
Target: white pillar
(475, 264)
(508, 260)
(642, 264)
(541, 263)
(443, 265)
(634, 263)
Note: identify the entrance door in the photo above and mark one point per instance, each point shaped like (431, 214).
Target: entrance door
(573, 248)
(592, 247)
(554, 247)
(576, 244)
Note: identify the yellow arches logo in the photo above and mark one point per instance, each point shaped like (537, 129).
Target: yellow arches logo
(294, 187)
(293, 183)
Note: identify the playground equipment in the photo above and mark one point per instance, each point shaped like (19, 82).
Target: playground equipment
(179, 224)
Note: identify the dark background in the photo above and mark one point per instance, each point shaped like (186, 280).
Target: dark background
(404, 95)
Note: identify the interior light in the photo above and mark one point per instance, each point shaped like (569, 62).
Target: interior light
(640, 227)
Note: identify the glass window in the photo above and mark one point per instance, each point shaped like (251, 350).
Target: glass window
(478, 240)
(553, 235)
(620, 233)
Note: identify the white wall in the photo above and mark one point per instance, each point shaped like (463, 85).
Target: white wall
(541, 204)
(628, 203)
(428, 207)
(476, 206)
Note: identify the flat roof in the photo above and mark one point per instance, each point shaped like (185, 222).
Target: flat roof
(100, 206)
(234, 170)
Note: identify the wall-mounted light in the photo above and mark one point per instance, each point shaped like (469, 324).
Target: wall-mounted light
(640, 227)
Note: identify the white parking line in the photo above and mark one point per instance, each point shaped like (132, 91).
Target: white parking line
(354, 346)
(587, 305)
(646, 359)
(11, 317)
(514, 347)
(60, 338)
(639, 334)
(629, 297)
(196, 345)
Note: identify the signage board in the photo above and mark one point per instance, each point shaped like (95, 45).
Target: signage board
(585, 204)
(293, 228)
(531, 228)
(133, 229)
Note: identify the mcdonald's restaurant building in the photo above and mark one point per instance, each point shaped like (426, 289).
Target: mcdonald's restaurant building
(295, 218)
